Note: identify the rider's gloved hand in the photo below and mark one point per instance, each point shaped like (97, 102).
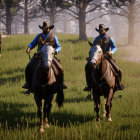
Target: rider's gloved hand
(109, 53)
(28, 50)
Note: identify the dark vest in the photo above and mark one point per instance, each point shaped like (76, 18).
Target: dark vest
(42, 40)
(105, 43)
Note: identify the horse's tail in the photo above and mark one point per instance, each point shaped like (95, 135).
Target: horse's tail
(60, 98)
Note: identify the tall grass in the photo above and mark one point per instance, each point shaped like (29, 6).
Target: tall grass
(76, 119)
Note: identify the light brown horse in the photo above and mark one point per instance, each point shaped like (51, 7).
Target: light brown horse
(103, 80)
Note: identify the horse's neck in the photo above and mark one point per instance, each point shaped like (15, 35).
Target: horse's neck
(105, 68)
(104, 65)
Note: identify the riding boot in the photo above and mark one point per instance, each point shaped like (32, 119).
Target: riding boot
(63, 86)
(28, 75)
(87, 88)
(87, 74)
(119, 85)
(61, 72)
(26, 86)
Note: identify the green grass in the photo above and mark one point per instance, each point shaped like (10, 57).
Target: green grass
(76, 119)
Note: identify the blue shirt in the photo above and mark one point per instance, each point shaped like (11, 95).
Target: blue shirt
(112, 46)
(34, 43)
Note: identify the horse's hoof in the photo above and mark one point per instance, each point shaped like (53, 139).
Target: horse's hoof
(109, 120)
(47, 125)
(41, 130)
(104, 115)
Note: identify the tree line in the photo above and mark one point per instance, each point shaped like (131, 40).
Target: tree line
(24, 11)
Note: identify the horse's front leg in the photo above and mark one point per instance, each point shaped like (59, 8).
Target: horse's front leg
(97, 105)
(109, 104)
(104, 114)
(46, 111)
(39, 112)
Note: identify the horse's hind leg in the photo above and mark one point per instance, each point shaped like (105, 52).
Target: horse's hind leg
(39, 112)
(97, 105)
(46, 111)
(109, 104)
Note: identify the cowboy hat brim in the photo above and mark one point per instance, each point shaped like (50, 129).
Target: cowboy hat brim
(51, 27)
(98, 30)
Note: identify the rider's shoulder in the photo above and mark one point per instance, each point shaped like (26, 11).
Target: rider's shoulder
(107, 36)
(40, 34)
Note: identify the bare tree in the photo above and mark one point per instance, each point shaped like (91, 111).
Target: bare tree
(28, 11)
(51, 8)
(82, 8)
(129, 9)
(8, 11)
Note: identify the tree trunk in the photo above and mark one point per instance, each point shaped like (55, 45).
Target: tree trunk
(131, 23)
(82, 22)
(8, 19)
(52, 19)
(52, 13)
(26, 31)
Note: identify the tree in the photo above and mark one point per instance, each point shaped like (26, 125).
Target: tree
(51, 9)
(9, 9)
(28, 11)
(82, 8)
(128, 9)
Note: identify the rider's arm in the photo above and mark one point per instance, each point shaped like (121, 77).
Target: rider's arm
(57, 45)
(113, 46)
(94, 42)
(34, 42)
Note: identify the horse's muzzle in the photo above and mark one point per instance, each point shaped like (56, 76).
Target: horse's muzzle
(93, 63)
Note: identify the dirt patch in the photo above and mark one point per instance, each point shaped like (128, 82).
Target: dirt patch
(133, 53)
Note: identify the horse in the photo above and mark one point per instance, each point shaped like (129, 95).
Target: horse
(103, 79)
(45, 84)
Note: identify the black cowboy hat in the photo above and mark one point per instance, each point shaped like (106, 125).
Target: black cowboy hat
(101, 28)
(46, 25)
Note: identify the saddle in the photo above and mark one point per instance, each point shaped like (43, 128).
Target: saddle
(114, 67)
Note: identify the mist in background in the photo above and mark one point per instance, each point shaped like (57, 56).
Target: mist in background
(66, 22)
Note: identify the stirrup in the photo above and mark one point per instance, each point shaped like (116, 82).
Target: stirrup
(27, 92)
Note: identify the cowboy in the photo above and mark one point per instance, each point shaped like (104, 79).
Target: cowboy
(108, 46)
(40, 40)
(0, 44)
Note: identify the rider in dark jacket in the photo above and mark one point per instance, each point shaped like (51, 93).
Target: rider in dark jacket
(108, 46)
(40, 40)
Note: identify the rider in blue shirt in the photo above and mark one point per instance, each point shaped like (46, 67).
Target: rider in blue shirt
(40, 40)
(108, 46)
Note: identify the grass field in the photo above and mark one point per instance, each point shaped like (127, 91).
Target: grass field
(76, 119)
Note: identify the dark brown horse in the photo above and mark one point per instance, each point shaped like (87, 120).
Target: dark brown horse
(45, 84)
(103, 80)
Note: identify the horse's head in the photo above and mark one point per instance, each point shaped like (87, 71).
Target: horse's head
(48, 55)
(95, 55)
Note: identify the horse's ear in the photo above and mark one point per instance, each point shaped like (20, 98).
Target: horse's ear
(90, 43)
(100, 42)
